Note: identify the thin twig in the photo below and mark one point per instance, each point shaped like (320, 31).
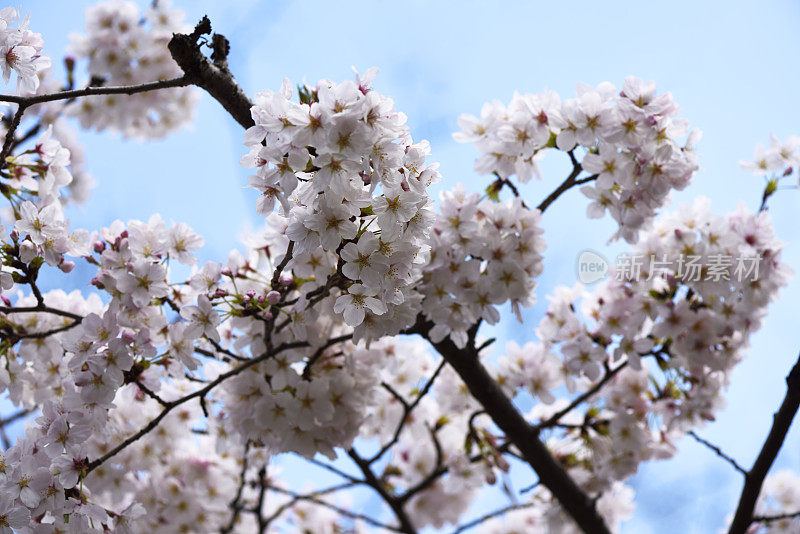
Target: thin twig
(778, 517)
(719, 452)
(314, 497)
(552, 420)
(497, 513)
(173, 404)
(406, 526)
(9, 141)
(25, 101)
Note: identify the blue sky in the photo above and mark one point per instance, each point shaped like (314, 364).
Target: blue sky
(730, 66)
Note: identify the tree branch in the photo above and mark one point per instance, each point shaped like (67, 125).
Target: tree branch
(754, 478)
(779, 517)
(14, 417)
(573, 499)
(10, 134)
(26, 101)
(214, 77)
(569, 182)
(394, 503)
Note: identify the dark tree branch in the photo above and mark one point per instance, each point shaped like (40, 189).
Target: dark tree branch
(262, 493)
(214, 76)
(575, 502)
(40, 309)
(754, 478)
(14, 417)
(406, 526)
(568, 183)
(25, 101)
(10, 134)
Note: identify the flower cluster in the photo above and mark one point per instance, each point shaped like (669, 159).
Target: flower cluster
(306, 407)
(158, 399)
(630, 141)
(74, 365)
(125, 47)
(778, 159)
(353, 191)
(695, 332)
(21, 51)
(36, 179)
(483, 254)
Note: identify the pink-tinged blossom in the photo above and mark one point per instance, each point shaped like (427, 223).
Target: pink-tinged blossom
(203, 319)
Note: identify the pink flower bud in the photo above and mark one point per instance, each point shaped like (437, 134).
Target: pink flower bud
(225, 272)
(99, 246)
(502, 464)
(127, 337)
(5, 300)
(287, 280)
(273, 297)
(220, 293)
(66, 266)
(268, 316)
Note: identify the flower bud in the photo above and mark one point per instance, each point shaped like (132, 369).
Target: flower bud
(273, 297)
(99, 246)
(127, 337)
(67, 266)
